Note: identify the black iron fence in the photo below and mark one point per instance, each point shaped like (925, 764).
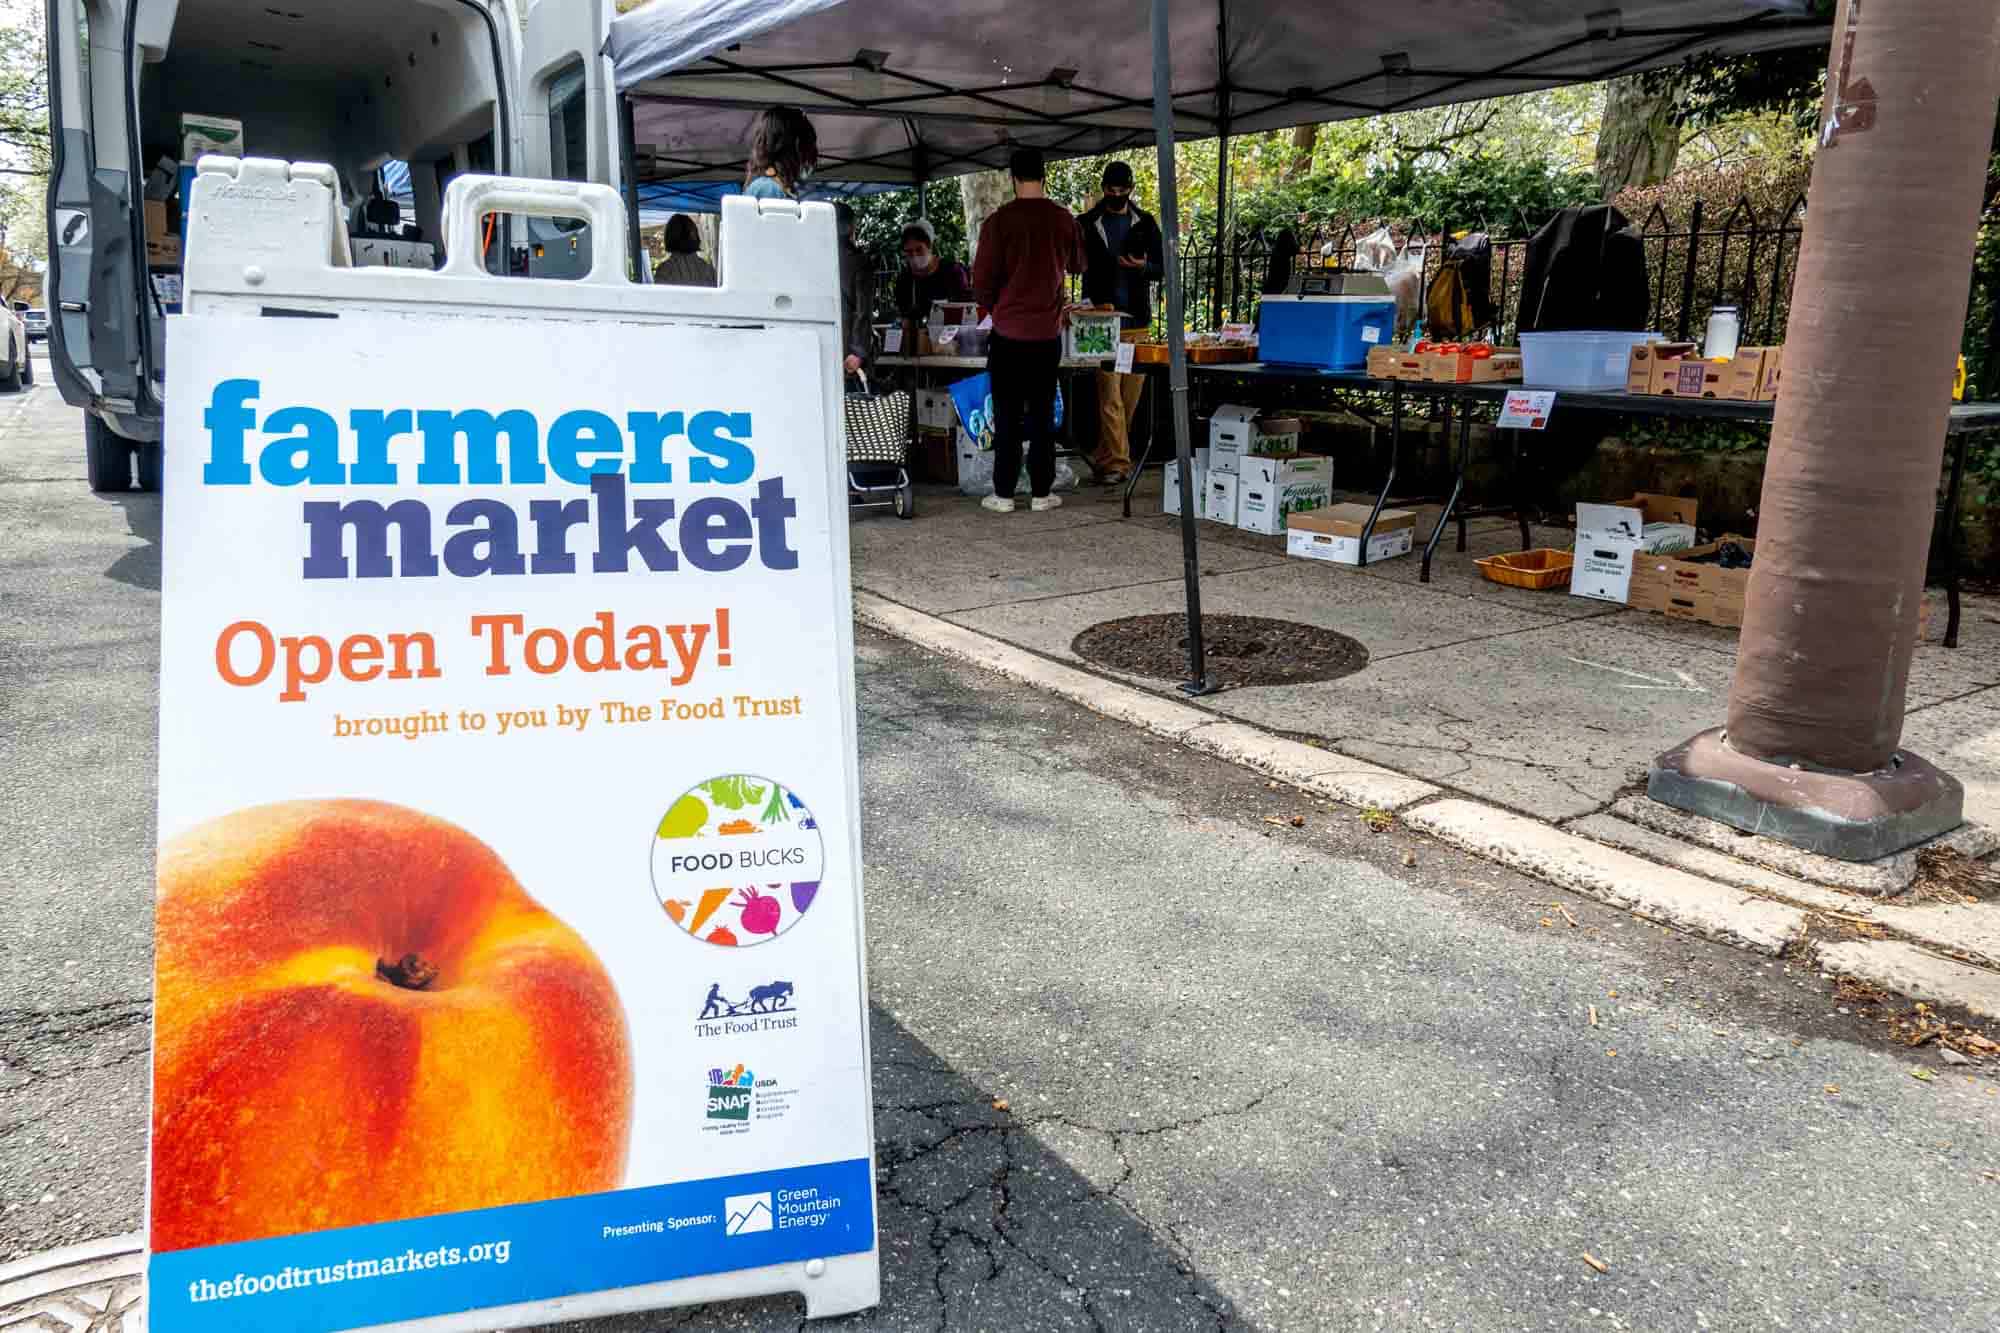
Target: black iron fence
(1737, 256)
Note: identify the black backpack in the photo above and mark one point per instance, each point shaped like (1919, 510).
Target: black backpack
(1586, 269)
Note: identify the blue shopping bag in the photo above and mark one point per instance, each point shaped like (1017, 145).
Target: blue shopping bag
(973, 397)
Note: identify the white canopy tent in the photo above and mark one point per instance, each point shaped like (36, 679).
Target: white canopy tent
(905, 91)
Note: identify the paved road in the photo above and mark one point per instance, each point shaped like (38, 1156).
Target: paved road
(1254, 1076)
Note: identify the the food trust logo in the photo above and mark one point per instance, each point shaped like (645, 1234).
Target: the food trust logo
(765, 1008)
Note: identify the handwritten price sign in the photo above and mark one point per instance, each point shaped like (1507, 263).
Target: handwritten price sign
(1527, 409)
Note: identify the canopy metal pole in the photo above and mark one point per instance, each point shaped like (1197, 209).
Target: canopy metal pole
(1216, 279)
(628, 154)
(1163, 130)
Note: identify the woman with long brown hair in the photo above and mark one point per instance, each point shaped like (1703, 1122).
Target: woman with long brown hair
(784, 149)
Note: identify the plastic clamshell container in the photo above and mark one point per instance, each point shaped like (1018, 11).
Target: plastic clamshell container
(1093, 334)
(1329, 332)
(1583, 359)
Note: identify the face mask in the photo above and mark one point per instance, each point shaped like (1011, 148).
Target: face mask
(1117, 204)
(919, 263)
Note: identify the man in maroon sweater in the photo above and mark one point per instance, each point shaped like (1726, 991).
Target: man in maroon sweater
(1027, 249)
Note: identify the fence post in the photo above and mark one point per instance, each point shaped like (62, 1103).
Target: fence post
(1687, 277)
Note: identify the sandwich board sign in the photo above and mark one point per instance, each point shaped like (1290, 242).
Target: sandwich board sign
(509, 959)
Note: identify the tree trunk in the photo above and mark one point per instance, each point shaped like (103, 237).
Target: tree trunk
(1304, 139)
(1638, 140)
(979, 194)
(1850, 486)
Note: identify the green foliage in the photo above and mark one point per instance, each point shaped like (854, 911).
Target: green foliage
(1505, 196)
(1770, 184)
(1694, 435)
(879, 221)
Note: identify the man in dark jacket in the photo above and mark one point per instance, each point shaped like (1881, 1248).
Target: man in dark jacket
(1122, 260)
(857, 291)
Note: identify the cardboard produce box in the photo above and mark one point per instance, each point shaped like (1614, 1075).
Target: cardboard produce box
(1270, 489)
(1609, 536)
(1170, 494)
(1382, 362)
(210, 134)
(1333, 534)
(1220, 506)
(1677, 370)
(1646, 358)
(1231, 430)
(936, 410)
(1753, 374)
(1463, 368)
(1677, 586)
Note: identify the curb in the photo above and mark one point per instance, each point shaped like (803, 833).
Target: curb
(1673, 896)
(1350, 781)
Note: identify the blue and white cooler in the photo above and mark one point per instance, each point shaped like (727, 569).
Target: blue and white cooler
(1328, 321)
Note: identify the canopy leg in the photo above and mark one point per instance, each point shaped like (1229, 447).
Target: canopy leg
(1163, 129)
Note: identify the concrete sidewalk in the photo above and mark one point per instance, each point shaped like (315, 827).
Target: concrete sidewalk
(1534, 704)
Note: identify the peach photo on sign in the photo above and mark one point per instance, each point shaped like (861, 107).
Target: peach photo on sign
(361, 1015)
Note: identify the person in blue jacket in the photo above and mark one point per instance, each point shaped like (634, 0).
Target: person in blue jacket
(784, 149)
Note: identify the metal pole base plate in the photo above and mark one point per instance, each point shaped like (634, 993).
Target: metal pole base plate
(1848, 816)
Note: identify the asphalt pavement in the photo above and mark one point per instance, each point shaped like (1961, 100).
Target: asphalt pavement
(1149, 1055)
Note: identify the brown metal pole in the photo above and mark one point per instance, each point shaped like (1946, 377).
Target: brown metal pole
(1850, 488)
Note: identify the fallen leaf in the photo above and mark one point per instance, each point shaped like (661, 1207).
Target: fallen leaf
(1833, 1089)
(1596, 1262)
(1922, 1075)
(1612, 1053)
(1565, 914)
(1547, 922)
(1000, 1103)
(1273, 819)
(1593, 1015)
(1409, 857)
(1298, 821)
(1612, 994)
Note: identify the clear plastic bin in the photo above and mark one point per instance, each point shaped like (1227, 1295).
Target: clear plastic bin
(1583, 359)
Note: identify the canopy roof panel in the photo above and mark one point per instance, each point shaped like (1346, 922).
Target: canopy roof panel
(902, 90)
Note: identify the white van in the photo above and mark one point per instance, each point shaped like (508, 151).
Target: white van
(139, 88)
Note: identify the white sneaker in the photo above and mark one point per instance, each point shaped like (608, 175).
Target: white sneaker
(1041, 502)
(999, 504)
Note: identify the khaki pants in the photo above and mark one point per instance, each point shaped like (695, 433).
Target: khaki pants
(1117, 406)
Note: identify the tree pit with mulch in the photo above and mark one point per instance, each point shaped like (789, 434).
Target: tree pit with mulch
(1239, 650)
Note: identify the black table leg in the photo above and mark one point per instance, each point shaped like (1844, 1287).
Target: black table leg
(1520, 496)
(1152, 433)
(1951, 495)
(1461, 472)
(1395, 445)
(1451, 502)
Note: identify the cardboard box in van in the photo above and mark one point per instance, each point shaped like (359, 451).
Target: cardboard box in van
(210, 134)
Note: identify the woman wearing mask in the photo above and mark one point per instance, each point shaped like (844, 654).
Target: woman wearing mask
(784, 149)
(925, 277)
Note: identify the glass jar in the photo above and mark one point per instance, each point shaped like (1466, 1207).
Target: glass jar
(1725, 329)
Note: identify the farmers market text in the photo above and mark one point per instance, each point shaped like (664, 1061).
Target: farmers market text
(303, 446)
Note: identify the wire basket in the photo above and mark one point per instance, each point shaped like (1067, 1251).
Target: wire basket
(1540, 568)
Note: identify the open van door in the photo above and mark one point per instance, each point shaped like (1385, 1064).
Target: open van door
(99, 338)
(571, 126)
